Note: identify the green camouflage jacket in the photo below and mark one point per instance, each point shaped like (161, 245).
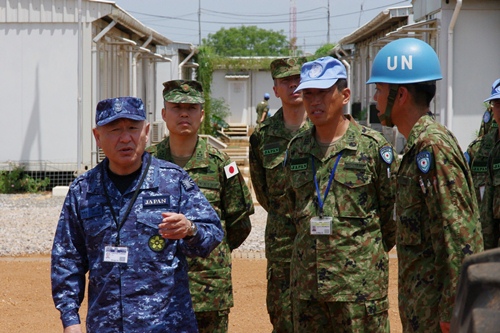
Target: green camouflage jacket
(262, 107)
(267, 153)
(490, 206)
(477, 156)
(351, 264)
(210, 278)
(488, 123)
(437, 217)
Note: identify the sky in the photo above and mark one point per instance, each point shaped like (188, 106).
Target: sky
(188, 20)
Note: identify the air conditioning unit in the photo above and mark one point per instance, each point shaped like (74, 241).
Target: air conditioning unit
(157, 131)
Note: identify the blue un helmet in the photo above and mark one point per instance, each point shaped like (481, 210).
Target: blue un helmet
(266, 96)
(404, 61)
(495, 91)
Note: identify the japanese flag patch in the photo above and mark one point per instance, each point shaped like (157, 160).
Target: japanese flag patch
(231, 170)
(424, 160)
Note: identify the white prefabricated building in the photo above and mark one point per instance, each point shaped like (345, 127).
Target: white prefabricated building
(59, 58)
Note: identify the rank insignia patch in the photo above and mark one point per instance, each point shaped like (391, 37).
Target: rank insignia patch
(156, 243)
(424, 160)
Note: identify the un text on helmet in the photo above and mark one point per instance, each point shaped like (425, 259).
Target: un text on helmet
(406, 62)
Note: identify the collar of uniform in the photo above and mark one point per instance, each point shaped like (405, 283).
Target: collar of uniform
(201, 157)
(275, 126)
(348, 141)
(99, 179)
(420, 126)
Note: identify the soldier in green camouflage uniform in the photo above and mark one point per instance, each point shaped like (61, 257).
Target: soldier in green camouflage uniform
(267, 153)
(262, 109)
(436, 207)
(490, 206)
(343, 199)
(478, 150)
(477, 157)
(223, 186)
(488, 123)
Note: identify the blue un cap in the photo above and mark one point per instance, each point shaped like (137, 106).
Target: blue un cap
(109, 110)
(321, 73)
(495, 91)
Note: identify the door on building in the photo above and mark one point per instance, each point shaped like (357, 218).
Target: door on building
(238, 102)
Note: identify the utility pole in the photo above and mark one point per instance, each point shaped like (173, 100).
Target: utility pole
(199, 22)
(328, 20)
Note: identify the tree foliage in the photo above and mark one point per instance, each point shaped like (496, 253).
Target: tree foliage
(248, 41)
(324, 50)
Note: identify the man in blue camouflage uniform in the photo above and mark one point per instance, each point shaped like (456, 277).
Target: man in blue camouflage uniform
(478, 150)
(267, 153)
(224, 187)
(343, 199)
(490, 206)
(129, 223)
(436, 206)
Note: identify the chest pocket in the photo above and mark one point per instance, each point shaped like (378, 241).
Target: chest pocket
(95, 221)
(273, 155)
(210, 187)
(409, 211)
(355, 195)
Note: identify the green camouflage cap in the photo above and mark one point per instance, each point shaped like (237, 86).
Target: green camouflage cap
(183, 91)
(285, 67)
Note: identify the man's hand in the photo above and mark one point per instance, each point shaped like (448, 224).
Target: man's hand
(174, 226)
(73, 329)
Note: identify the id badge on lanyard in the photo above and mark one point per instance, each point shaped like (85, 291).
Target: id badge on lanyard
(322, 225)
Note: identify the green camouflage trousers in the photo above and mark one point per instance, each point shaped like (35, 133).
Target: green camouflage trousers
(341, 317)
(212, 321)
(279, 303)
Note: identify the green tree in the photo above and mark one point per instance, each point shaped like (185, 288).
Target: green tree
(324, 50)
(248, 41)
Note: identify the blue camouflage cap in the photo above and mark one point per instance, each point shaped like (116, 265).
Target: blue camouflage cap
(495, 91)
(111, 109)
(321, 73)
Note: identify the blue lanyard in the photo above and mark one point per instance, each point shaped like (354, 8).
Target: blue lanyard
(321, 202)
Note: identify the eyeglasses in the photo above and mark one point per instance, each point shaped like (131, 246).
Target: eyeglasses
(495, 103)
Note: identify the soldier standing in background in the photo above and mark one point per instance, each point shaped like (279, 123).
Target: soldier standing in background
(263, 109)
(479, 150)
(224, 187)
(343, 198)
(488, 122)
(267, 153)
(436, 208)
(490, 206)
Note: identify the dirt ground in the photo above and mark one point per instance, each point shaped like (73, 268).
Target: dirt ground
(26, 304)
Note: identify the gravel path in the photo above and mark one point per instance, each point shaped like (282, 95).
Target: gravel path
(28, 223)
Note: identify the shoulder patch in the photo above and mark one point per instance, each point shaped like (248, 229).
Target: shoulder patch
(424, 160)
(486, 117)
(467, 157)
(387, 154)
(231, 170)
(188, 184)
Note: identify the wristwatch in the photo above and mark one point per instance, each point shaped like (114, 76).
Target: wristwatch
(193, 230)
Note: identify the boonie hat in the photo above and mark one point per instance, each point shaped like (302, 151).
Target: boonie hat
(495, 91)
(111, 109)
(285, 67)
(183, 91)
(321, 73)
